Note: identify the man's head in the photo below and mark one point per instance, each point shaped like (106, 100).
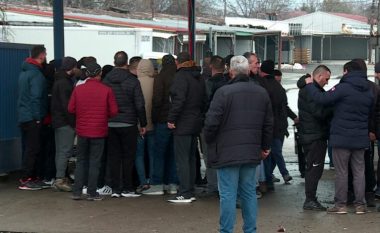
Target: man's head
(267, 68)
(121, 59)
(254, 63)
(217, 65)
(377, 71)
(183, 57)
(133, 63)
(38, 53)
(68, 65)
(93, 70)
(351, 66)
(321, 75)
(361, 63)
(239, 66)
(277, 75)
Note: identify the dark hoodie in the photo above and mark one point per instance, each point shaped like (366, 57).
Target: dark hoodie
(33, 96)
(188, 100)
(352, 99)
(129, 97)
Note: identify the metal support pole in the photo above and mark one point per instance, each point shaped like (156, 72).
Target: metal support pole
(210, 38)
(191, 25)
(279, 50)
(59, 41)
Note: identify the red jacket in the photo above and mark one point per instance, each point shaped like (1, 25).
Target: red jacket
(92, 103)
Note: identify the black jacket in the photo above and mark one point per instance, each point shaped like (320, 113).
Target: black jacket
(352, 99)
(238, 124)
(129, 97)
(314, 118)
(161, 92)
(61, 92)
(279, 100)
(374, 122)
(213, 84)
(188, 101)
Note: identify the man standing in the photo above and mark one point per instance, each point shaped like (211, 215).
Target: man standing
(313, 131)
(279, 102)
(188, 102)
(92, 103)
(238, 130)
(123, 131)
(32, 108)
(63, 122)
(254, 67)
(376, 126)
(352, 99)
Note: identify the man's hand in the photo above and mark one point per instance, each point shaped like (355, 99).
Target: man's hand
(264, 154)
(296, 120)
(372, 137)
(309, 80)
(142, 131)
(171, 125)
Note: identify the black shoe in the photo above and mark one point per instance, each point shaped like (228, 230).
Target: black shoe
(76, 197)
(313, 205)
(287, 178)
(370, 198)
(207, 194)
(96, 197)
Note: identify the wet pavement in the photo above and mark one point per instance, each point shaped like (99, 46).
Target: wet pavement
(49, 211)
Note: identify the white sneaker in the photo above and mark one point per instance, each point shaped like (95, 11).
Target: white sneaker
(49, 182)
(105, 190)
(172, 189)
(84, 190)
(130, 194)
(115, 195)
(180, 199)
(154, 190)
(193, 198)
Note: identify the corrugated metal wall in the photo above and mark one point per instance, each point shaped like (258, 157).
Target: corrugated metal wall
(11, 58)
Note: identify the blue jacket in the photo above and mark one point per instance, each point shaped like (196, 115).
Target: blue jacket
(32, 94)
(352, 99)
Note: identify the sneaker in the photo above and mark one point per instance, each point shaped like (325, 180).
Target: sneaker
(42, 184)
(115, 195)
(314, 205)
(208, 194)
(142, 188)
(49, 182)
(154, 190)
(275, 179)
(360, 209)
(130, 194)
(287, 178)
(84, 190)
(180, 199)
(62, 185)
(172, 189)
(105, 190)
(259, 195)
(193, 198)
(337, 210)
(97, 197)
(30, 186)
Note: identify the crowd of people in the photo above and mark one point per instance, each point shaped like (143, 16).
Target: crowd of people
(136, 129)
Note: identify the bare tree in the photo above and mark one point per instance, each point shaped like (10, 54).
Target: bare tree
(310, 5)
(253, 8)
(336, 6)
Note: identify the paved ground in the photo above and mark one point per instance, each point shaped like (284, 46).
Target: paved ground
(48, 211)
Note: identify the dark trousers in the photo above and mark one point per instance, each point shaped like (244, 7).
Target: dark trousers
(90, 151)
(378, 165)
(184, 150)
(31, 132)
(315, 161)
(45, 165)
(122, 145)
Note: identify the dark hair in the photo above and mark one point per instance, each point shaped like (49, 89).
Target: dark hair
(105, 70)
(217, 62)
(134, 61)
(37, 50)
(249, 54)
(84, 61)
(277, 73)
(227, 59)
(361, 63)
(183, 57)
(120, 59)
(352, 66)
(320, 69)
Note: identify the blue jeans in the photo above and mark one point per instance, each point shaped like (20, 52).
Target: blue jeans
(232, 180)
(140, 156)
(164, 168)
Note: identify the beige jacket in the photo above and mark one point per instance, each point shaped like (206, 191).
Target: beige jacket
(145, 71)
